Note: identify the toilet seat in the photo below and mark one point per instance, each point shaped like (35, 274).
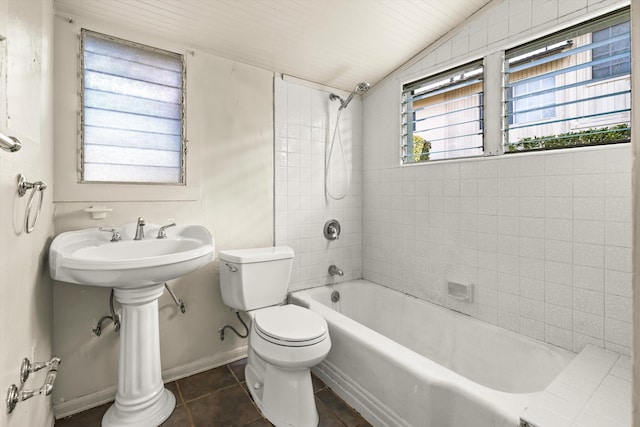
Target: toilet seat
(290, 325)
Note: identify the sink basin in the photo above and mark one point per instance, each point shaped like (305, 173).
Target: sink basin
(89, 257)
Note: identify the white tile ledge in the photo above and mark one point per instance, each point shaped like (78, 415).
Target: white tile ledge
(594, 390)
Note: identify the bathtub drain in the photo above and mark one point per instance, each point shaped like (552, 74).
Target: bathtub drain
(335, 296)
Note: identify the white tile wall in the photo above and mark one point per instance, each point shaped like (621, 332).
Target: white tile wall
(546, 237)
(305, 120)
(542, 264)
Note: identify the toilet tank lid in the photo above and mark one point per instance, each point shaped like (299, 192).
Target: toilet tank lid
(246, 256)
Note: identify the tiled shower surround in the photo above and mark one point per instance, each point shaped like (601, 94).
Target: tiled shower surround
(305, 120)
(545, 238)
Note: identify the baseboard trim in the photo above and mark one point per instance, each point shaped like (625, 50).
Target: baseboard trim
(82, 403)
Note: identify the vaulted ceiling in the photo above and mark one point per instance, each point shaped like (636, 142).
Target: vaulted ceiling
(333, 42)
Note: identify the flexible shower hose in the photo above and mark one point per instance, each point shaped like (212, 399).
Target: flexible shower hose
(336, 131)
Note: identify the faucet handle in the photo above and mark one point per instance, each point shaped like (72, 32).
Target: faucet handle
(162, 231)
(115, 234)
(141, 221)
(332, 229)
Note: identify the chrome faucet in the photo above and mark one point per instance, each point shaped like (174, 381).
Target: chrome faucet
(333, 270)
(332, 229)
(115, 234)
(140, 229)
(162, 232)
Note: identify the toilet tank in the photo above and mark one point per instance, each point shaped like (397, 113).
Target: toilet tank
(255, 278)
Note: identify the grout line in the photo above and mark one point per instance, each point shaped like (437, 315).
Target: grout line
(245, 390)
(233, 374)
(209, 393)
(179, 392)
(184, 404)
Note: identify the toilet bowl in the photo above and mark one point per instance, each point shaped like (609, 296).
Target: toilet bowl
(279, 360)
(285, 340)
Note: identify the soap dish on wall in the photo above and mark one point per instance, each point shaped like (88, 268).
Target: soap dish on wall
(98, 212)
(460, 291)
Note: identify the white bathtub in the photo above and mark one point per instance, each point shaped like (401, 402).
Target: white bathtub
(401, 361)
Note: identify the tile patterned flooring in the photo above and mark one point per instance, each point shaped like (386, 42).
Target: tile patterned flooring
(219, 397)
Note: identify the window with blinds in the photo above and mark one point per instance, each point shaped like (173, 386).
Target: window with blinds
(132, 112)
(442, 115)
(570, 89)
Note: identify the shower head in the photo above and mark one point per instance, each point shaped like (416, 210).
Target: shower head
(360, 89)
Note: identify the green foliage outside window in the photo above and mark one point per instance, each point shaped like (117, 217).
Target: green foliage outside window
(594, 136)
(421, 148)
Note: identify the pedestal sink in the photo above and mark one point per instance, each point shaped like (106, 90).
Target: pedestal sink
(137, 270)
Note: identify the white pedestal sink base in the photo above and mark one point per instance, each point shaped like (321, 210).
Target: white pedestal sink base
(152, 416)
(142, 400)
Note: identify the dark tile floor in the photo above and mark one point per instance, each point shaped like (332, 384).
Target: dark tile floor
(219, 397)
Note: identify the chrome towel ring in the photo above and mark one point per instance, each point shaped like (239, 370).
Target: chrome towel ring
(23, 187)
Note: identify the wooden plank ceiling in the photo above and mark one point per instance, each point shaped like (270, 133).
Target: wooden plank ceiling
(333, 42)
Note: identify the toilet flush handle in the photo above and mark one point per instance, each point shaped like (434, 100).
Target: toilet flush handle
(232, 268)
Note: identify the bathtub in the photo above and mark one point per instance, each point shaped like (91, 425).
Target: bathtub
(402, 361)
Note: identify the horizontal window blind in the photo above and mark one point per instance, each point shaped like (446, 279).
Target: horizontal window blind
(442, 115)
(572, 88)
(132, 112)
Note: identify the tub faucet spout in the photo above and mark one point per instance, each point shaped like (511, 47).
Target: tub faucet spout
(333, 270)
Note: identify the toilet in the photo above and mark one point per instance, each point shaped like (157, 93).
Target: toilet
(285, 340)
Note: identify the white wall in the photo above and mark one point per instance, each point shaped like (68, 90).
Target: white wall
(545, 237)
(305, 121)
(230, 191)
(26, 101)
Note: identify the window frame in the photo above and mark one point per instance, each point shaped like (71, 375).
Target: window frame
(461, 76)
(182, 181)
(616, 127)
(551, 47)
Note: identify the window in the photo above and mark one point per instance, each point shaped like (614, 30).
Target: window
(442, 115)
(132, 112)
(526, 105)
(556, 94)
(613, 42)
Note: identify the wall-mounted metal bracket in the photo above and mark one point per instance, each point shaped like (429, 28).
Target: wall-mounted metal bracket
(14, 395)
